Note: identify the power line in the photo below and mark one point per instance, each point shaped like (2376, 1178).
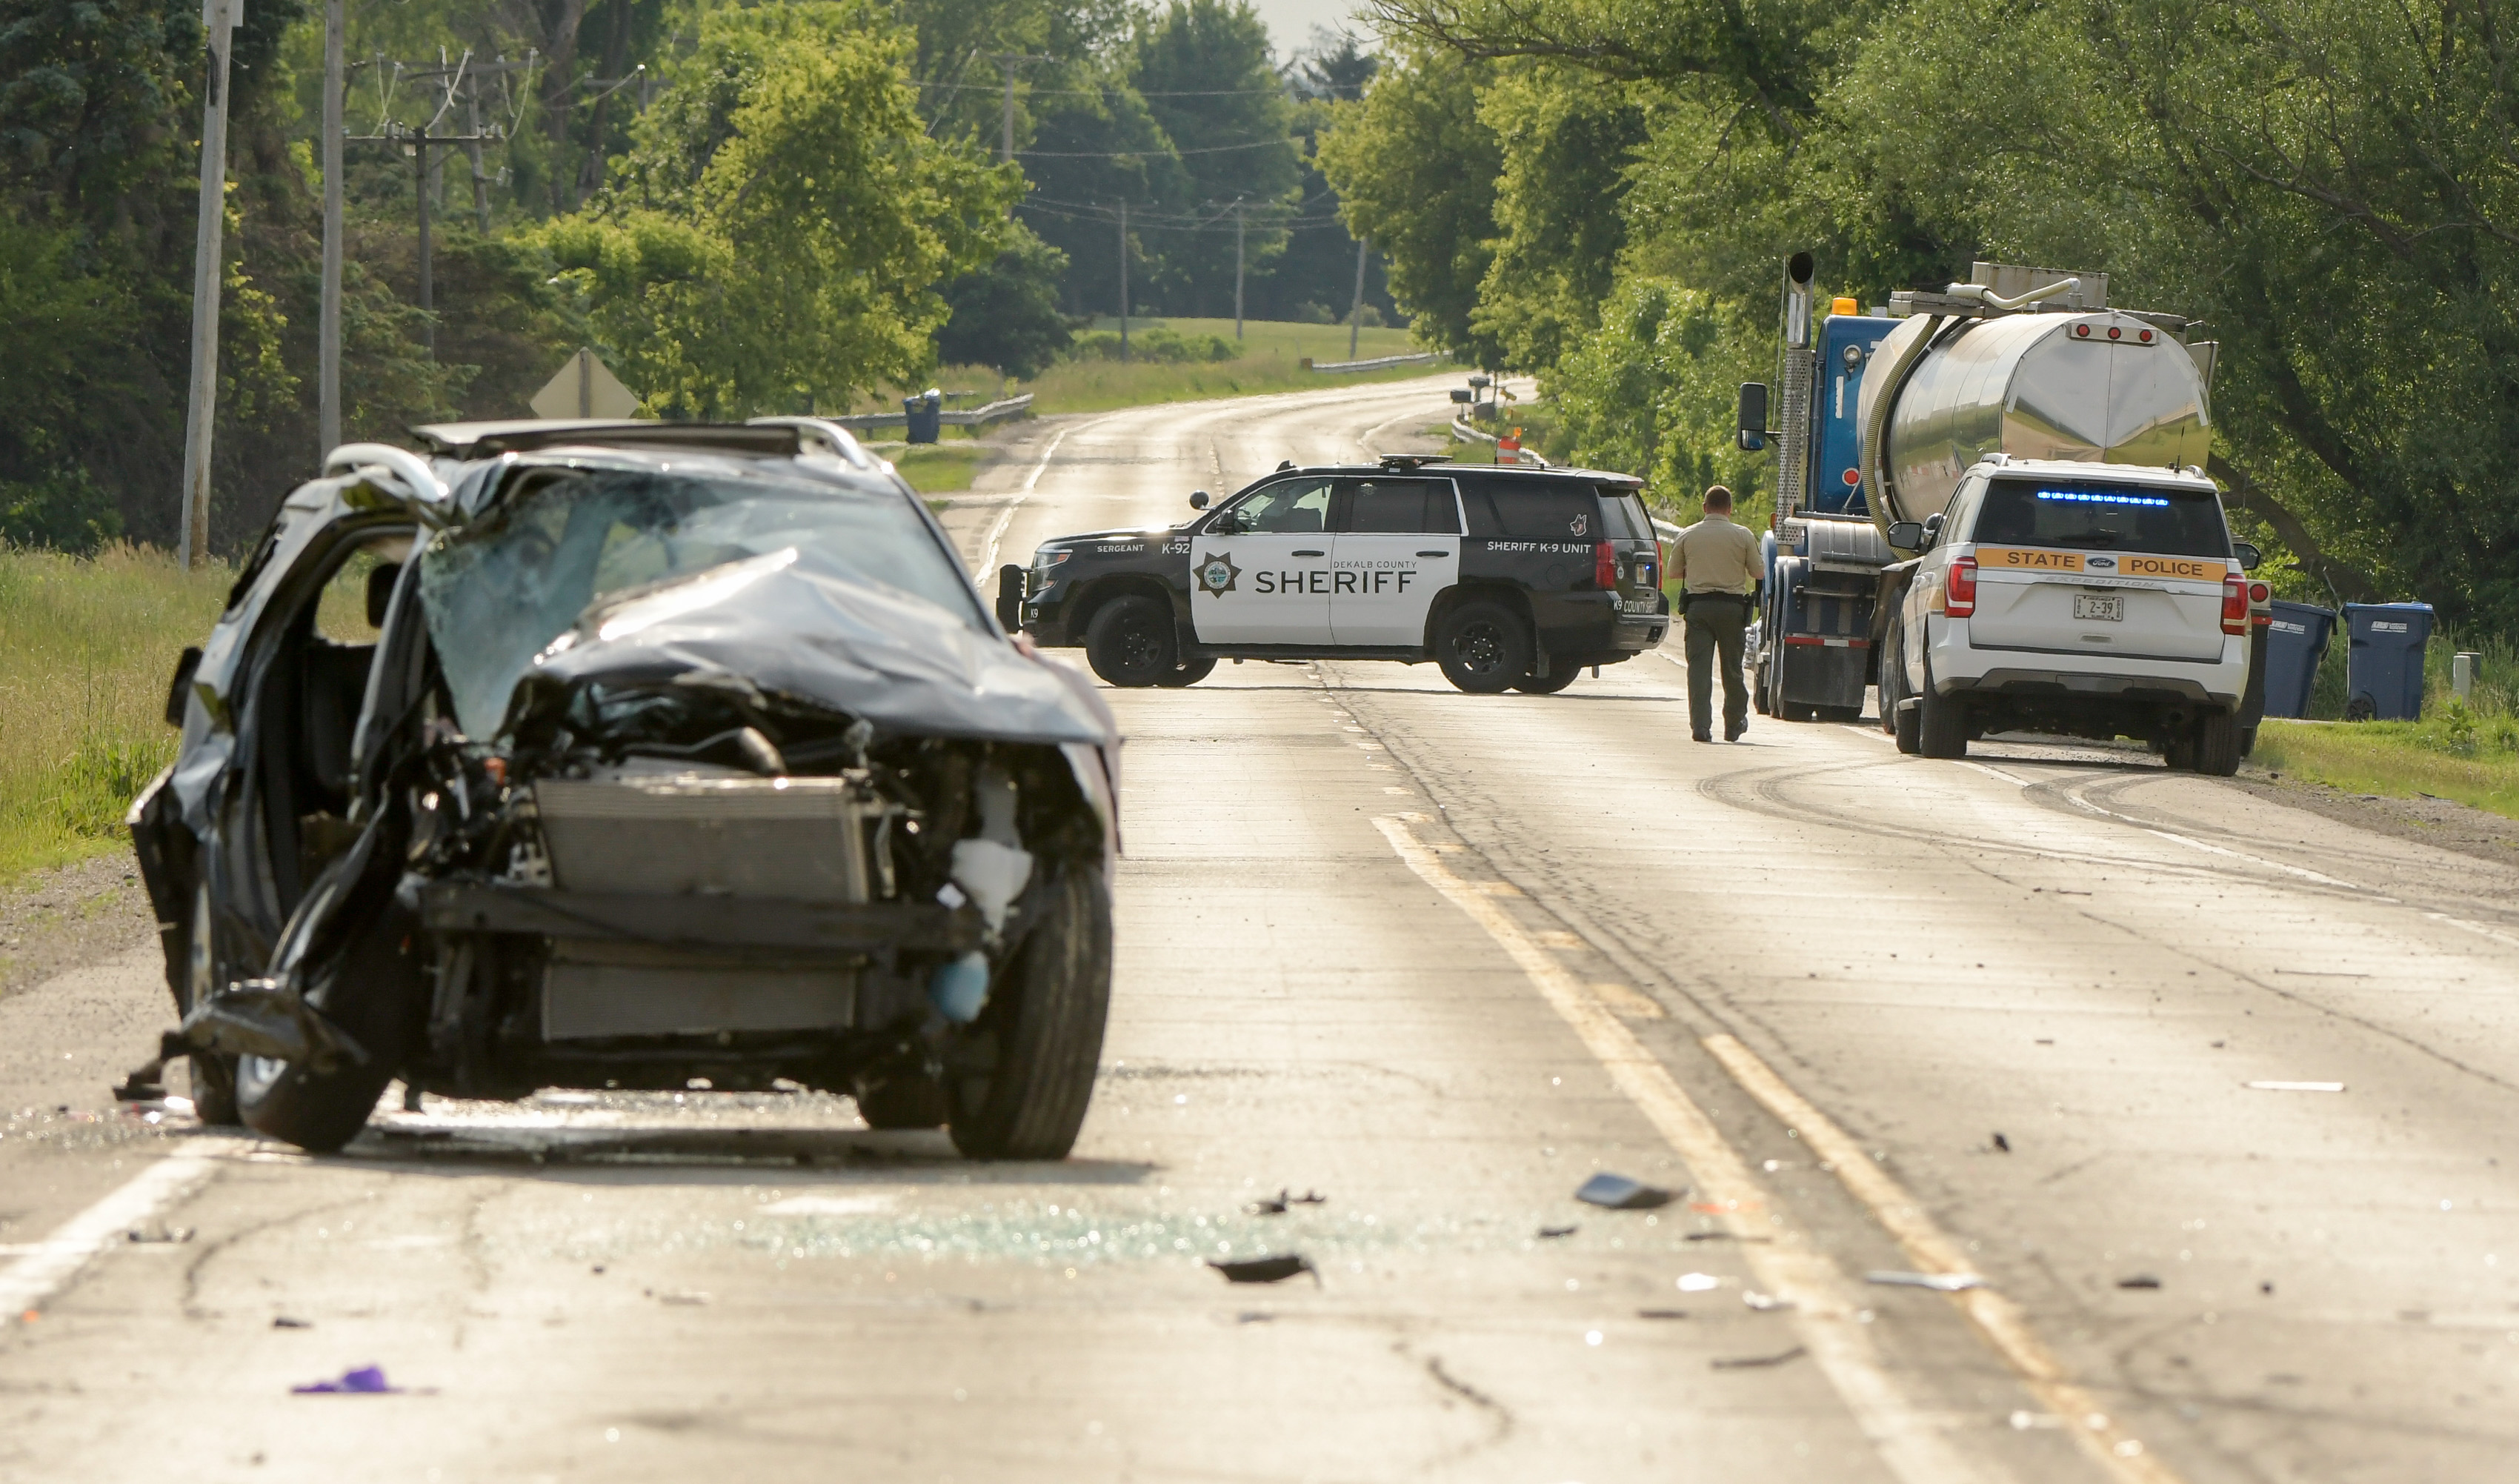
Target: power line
(964, 87)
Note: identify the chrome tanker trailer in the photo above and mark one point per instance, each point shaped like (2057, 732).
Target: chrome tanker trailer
(2100, 419)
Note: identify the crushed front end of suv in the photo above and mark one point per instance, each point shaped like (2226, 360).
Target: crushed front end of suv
(623, 757)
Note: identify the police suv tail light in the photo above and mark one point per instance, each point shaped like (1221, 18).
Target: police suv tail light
(2234, 604)
(1605, 566)
(1959, 589)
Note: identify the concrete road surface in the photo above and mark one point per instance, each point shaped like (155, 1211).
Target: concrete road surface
(2193, 1102)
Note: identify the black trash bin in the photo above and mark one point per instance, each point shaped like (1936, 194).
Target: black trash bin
(2383, 669)
(926, 414)
(2295, 644)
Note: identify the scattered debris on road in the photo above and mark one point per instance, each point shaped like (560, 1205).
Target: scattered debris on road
(1558, 1231)
(1263, 1269)
(2297, 1086)
(1699, 1282)
(1619, 1194)
(1766, 1303)
(1939, 1282)
(2002, 1145)
(1275, 1206)
(158, 1233)
(367, 1380)
(1661, 1314)
(2138, 1281)
(685, 1298)
(285, 1322)
(1723, 1237)
(1757, 1362)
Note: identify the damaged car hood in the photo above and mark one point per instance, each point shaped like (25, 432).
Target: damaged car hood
(778, 624)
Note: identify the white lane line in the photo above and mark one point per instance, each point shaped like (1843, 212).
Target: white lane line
(1022, 492)
(2495, 934)
(25, 1284)
(1908, 1439)
(2303, 872)
(1998, 1320)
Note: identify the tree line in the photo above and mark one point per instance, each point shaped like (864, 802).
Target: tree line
(746, 208)
(1603, 190)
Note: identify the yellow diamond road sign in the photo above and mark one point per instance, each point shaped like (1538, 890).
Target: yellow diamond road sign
(584, 389)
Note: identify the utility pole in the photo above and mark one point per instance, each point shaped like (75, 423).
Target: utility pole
(1237, 267)
(218, 25)
(328, 335)
(1124, 280)
(481, 180)
(418, 142)
(1355, 309)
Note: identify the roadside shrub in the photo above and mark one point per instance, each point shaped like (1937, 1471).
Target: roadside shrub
(65, 511)
(1158, 345)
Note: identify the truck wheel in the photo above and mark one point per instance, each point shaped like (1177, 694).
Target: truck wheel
(1559, 677)
(214, 1098)
(1130, 642)
(1483, 648)
(1189, 673)
(1046, 1024)
(1941, 722)
(2217, 745)
(1759, 690)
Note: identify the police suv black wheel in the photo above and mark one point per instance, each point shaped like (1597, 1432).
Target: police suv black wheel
(1041, 1031)
(1941, 722)
(1559, 677)
(1189, 673)
(1483, 648)
(2216, 745)
(214, 1099)
(1130, 642)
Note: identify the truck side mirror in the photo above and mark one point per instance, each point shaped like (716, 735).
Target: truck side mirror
(1753, 416)
(2247, 553)
(1908, 536)
(1198, 500)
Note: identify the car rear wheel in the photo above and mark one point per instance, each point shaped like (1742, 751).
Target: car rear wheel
(2216, 748)
(1130, 642)
(1044, 1027)
(1559, 677)
(1483, 648)
(1188, 672)
(1941, 722)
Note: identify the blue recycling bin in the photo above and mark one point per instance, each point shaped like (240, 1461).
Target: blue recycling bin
(2383, 669)
(2295, 644)
(926, 414)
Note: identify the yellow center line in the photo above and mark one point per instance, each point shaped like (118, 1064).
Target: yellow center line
(1909, 1441)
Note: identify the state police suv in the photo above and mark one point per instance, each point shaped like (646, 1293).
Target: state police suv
(1507, 578)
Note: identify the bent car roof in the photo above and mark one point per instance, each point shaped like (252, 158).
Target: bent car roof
(488, 440)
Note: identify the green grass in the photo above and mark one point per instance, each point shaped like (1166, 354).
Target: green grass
(2476, 763)
(1270, 361)
(86, 647)
(935, 468)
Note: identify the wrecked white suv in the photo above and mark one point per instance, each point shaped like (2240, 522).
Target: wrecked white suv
(679, 752)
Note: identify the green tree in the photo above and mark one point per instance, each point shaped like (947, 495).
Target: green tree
(1415, 168)
(1204, 69)
(778, 235)
(1005, 314)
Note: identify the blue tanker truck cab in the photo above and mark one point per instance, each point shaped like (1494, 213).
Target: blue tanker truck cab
(1845, 346)
(1813, 655)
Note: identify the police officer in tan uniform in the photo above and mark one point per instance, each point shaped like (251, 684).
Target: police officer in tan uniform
(1716, 562)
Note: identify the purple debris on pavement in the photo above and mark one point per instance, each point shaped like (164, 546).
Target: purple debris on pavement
(367, 1380)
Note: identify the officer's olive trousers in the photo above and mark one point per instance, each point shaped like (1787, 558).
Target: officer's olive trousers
(1715, 623)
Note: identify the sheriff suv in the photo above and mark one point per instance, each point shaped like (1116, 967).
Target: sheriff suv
(1507, 578)
(2076, 599)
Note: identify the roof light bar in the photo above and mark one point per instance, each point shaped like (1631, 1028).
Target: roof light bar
(2092, 498)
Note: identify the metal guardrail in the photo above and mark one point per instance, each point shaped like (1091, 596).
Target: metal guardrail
(978, 417)
(1379, 363)
(1463, 432)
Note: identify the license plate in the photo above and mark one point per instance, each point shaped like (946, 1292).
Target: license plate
(2090, 605)
(1642, 605)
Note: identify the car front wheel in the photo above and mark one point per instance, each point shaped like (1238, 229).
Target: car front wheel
(1040, 1041)
(1484, 648)
(1130, 642)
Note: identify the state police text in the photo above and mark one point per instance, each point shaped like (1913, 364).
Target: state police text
(1321, 584)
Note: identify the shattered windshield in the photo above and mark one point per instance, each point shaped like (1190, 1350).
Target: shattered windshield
(500, 589)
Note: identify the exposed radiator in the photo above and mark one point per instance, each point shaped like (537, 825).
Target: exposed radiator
(787, 839)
